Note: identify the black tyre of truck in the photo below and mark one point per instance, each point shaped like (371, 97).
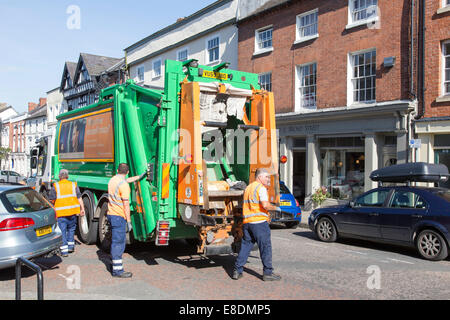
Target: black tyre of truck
(431, 245)
(87, 226)
(325, 230)
(104, 229)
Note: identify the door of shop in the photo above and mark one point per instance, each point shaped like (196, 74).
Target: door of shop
(299, 176)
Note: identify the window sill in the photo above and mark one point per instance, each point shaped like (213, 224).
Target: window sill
(443, 10)
(301, 40)
(445, 98)
(361, 23)
(259, 52)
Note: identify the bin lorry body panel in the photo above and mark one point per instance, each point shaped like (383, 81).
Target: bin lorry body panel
(144, 128)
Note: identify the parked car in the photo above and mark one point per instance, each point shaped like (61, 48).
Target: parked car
(291, 214)
(405, 215)
(11, 176)
(28, 225)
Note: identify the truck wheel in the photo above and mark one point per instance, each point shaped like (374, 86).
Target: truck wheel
(104, 229)
(431, 245)
(87, 227)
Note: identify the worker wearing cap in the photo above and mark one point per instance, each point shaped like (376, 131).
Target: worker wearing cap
(119, 216)
(66, 197)
(256, 227)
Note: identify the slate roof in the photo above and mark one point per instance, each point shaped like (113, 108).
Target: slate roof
(95, 65)
(38, 112)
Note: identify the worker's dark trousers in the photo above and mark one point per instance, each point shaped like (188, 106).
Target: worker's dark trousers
(118, 242)
(67, 225)
(259, 233)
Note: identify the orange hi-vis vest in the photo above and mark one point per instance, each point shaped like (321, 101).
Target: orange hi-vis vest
(66, 203)
(118, 191)
(252, 209)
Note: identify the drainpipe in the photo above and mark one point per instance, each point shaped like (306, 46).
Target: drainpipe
(421, 56)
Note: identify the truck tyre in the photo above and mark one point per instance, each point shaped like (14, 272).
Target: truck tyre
(87, 227)
(431, 245)
(104, 229)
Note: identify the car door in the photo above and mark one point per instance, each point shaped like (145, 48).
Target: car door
(405, 209)
(362, 218)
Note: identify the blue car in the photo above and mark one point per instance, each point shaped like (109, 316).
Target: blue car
(404, 215)
(291, 214)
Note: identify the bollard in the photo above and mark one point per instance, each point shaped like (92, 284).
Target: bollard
(40, 279)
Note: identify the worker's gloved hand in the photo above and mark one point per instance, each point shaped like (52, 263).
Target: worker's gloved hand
(129, 226)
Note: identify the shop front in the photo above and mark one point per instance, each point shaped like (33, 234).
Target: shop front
(434, 134)
(339, 149)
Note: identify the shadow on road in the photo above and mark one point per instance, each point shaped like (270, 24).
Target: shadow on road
(45, 263)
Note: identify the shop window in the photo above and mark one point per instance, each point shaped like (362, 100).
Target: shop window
(343, 173)
(390, 140)
(442, 153)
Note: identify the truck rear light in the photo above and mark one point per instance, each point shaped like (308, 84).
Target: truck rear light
(16, 224)
(283, 159)
(162, 233)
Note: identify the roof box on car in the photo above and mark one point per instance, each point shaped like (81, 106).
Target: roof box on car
(412, 172)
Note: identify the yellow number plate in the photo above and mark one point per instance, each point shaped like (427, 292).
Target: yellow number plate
(285, 203)
(215, 75)
(43, 231)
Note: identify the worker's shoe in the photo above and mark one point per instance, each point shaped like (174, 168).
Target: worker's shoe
(271, 277)
(123, 275)
(236, 275)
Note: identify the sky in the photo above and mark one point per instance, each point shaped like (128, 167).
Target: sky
(38, 37)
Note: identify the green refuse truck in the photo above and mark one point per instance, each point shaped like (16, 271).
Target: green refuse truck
(200, 140)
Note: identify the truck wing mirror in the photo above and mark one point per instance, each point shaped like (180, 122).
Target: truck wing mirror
(33, 164)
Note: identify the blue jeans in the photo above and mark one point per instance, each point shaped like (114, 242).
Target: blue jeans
(67, 226)
(259, 233)
(118, 242)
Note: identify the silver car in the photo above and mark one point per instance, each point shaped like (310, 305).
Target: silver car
(28, 226)
(11, 176)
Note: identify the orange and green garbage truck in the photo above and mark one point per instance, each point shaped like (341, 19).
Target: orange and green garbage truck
(200, 140)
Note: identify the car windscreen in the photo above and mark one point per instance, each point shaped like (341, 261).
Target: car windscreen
(23, 200)
(283, 189)
(445, 194)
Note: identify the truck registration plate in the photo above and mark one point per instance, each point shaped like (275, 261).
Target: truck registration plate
(215, 75)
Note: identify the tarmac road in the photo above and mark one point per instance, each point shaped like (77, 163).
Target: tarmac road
(311, 270)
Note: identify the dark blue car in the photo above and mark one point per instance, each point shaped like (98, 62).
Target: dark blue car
(404, 215)
(291, 214)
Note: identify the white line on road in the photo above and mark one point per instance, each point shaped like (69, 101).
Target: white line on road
(401, 261)
(316, 245)
(279, 238)
(357, 252)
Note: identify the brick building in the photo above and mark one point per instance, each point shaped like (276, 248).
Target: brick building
(343, 74)
(433, 123)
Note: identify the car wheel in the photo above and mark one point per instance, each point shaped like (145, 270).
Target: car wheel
(87, 227)
(431, 245)
(104, 229)
(292, 225)
(326, 231)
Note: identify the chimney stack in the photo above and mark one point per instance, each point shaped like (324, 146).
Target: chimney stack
(42, 102)
(31, 106)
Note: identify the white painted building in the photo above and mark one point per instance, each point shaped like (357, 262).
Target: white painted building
(210, 35)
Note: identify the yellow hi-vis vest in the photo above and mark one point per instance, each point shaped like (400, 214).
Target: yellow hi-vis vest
(252, 209)
(66, 203)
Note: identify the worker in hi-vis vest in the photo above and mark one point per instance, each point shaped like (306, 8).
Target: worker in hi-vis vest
(119, 216)
(66, 197)
(256, 227)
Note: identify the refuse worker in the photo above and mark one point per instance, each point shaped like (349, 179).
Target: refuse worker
(256, 227)
(119, 216)
(66, 197)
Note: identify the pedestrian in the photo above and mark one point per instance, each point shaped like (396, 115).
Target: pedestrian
(256, 227)
(119, 216)
(66, 197)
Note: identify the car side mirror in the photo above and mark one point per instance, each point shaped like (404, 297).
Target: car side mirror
(351, 204)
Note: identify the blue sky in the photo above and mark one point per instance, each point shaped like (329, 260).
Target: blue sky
(35, 40)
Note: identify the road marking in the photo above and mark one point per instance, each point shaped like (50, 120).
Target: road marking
(357, 252)
(401, 261)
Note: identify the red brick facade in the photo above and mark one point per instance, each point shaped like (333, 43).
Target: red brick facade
(437, 31)
(330, 50)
